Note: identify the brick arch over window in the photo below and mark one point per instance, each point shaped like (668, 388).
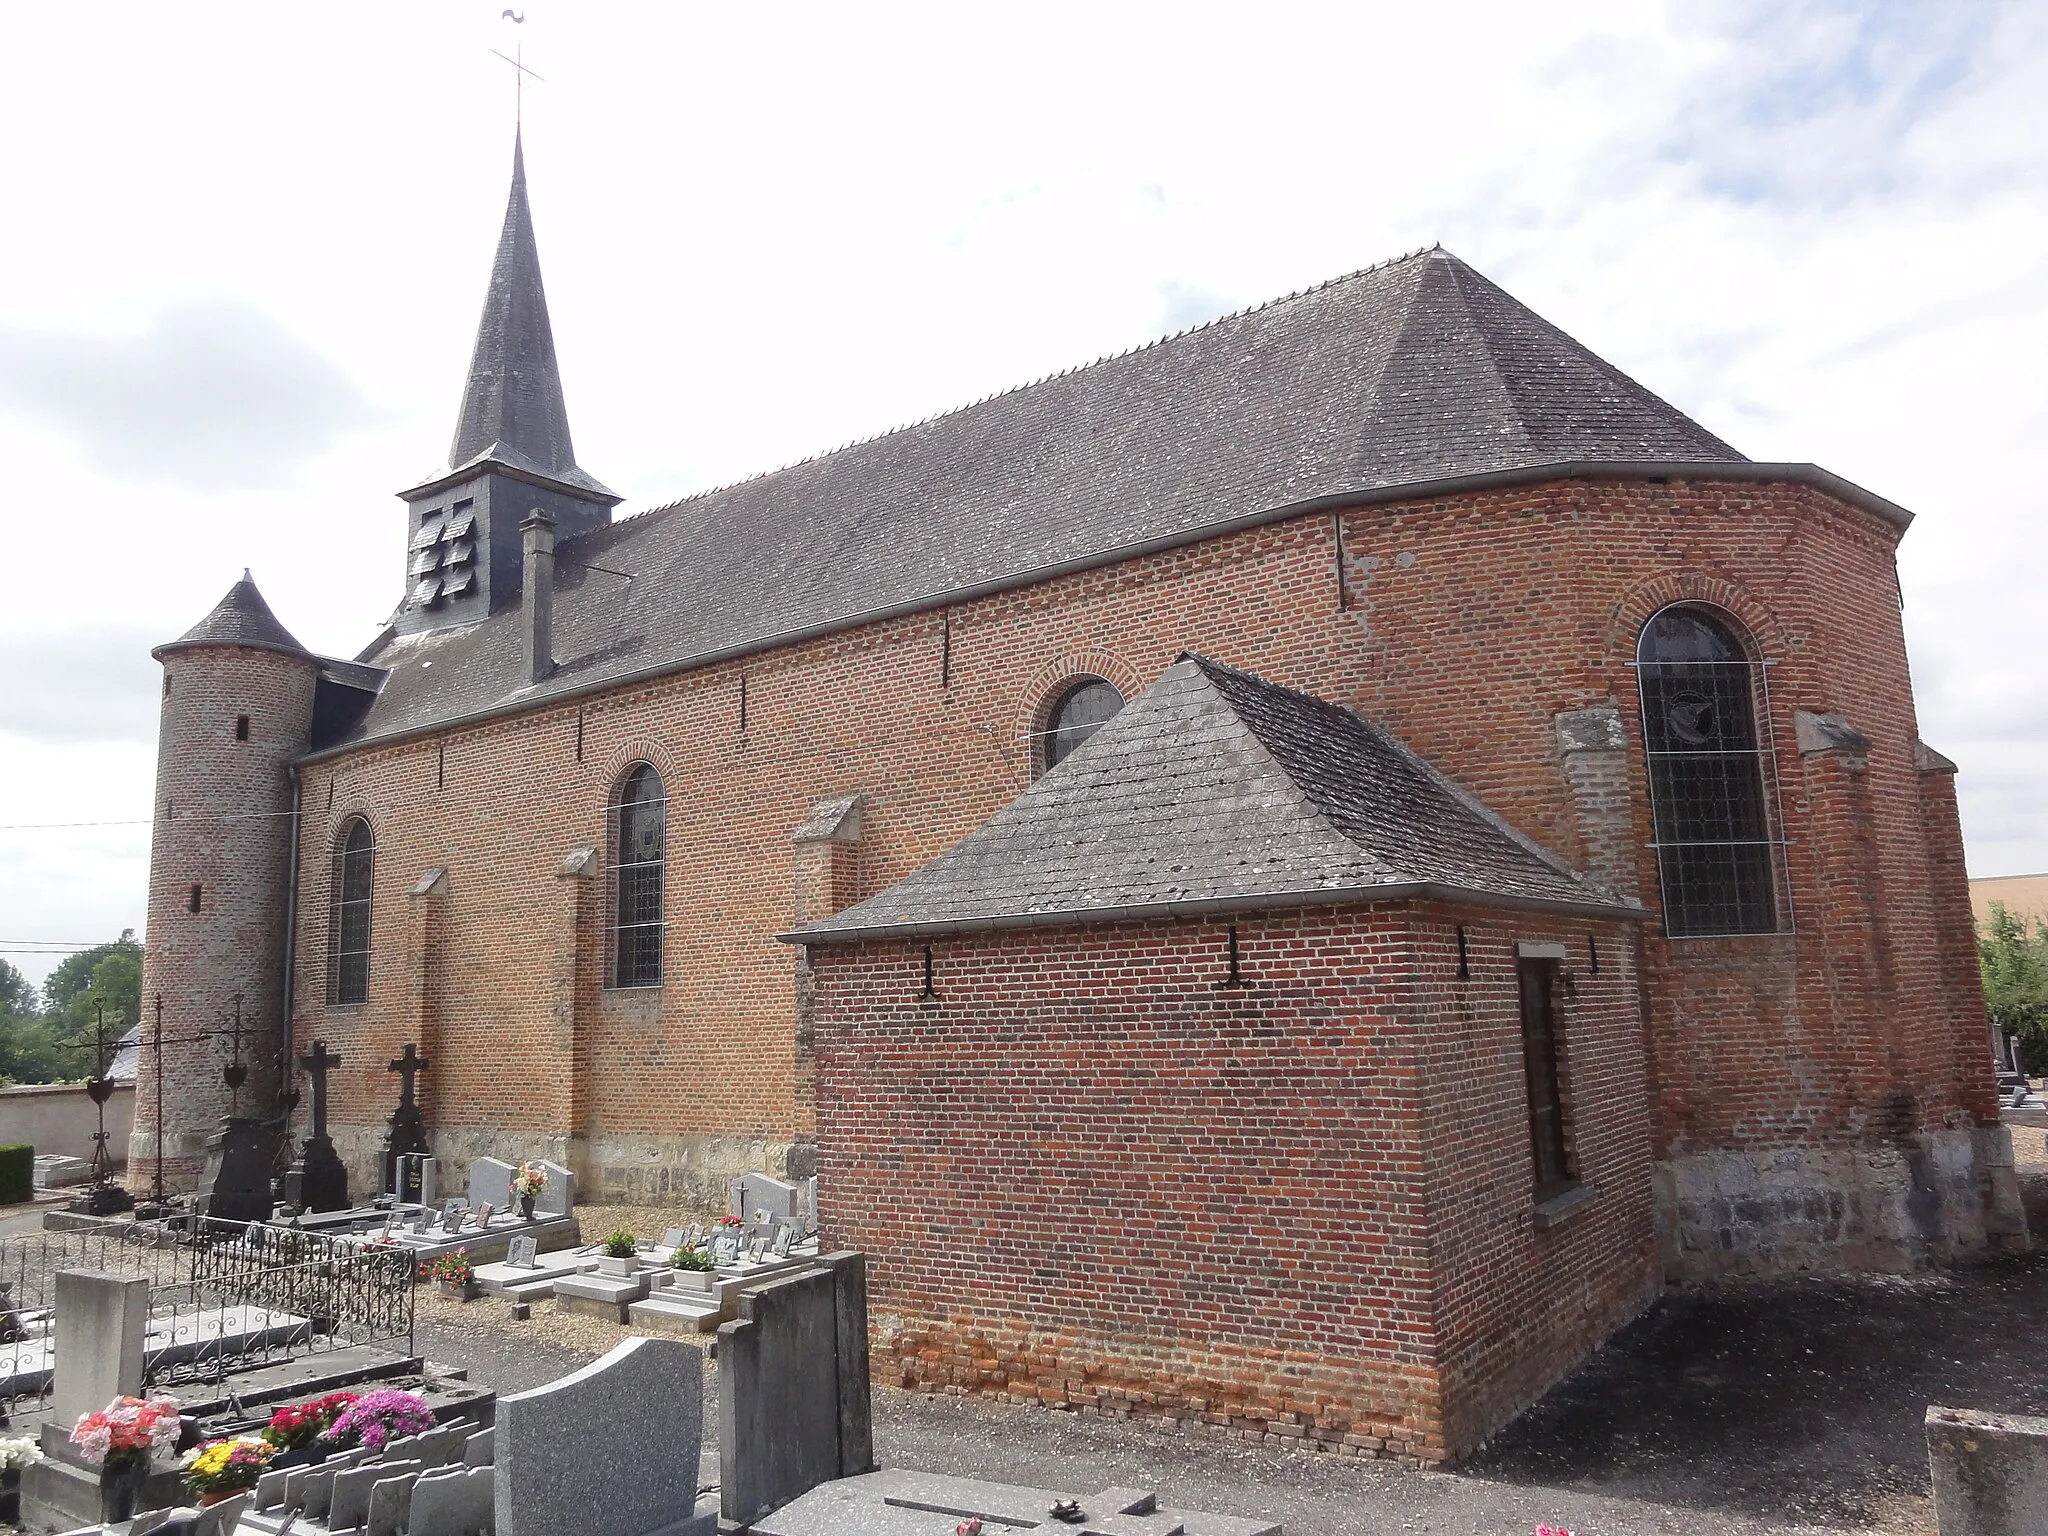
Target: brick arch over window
(1053, 685)
(1755, 623)
(636, 870)
(352, 890)
(1706, 744)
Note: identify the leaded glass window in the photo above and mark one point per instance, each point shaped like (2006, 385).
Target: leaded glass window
(639, 855)
(1080, 713)
(1706, 770)
(348, 940)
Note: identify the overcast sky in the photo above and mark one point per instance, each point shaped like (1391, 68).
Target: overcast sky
(245, 250)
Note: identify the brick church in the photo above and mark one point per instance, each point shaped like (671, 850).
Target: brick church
(1291, 877)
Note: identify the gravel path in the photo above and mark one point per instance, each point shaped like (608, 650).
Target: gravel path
(1754, 1410)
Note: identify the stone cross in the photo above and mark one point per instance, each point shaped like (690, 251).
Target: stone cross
(318, 1064)
(409, 1065)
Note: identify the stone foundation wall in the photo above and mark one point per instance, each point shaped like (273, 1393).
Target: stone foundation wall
(691, 1172)
(1928, 1198)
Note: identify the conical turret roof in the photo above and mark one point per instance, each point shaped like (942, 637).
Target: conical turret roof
(241, 618)
(512, 407)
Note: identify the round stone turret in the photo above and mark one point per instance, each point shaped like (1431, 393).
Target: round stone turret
(237, 711)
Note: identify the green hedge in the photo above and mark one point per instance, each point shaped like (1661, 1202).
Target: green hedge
(17, 1174)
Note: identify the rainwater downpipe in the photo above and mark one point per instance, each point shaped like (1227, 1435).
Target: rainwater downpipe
(291, 937)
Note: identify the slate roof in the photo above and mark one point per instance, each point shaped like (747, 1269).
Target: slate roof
(512, 407)
(240, 618)
(1412, 373)
(1216, 791)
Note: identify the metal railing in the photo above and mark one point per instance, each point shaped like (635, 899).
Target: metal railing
(224, 1298)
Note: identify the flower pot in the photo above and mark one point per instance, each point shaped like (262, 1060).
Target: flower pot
(526, 1207)
(461, 1290)
(10, 1496)
(121, 1483)
(619, 1268)
(697, 1281)
(214, 1496)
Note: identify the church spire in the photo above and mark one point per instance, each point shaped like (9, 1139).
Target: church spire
(512, 407)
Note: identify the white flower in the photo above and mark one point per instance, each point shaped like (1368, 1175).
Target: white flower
(18, 1455)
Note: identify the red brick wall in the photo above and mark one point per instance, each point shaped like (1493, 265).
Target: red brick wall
(1469, 622)
(1518, 1300)
(1088, 1174)
(223, 823)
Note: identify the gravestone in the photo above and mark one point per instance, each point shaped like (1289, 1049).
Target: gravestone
(757, 1199)
(483, 1216)
(455, 1501)
(611, 1450)
(490, 1183)
(809, 1206)
(523, 1253)
(413, 1178)
(793, 1397)
(408, 1134)
(100, 1323)
(236, 1184)
(318, 1181)
(453, 1213)
(558, 1196)
(785, 1239)
(673, 1238)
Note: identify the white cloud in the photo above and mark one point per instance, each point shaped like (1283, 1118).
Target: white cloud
(1814, 226)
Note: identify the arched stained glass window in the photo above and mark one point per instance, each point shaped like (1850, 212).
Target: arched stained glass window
(1713, 835)
(639, 857)
(1079, 714)
(348, 929)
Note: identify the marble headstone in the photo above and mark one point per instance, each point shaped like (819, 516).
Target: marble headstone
(611, 1450)
(754, 1194)
(490, 1183)
(558, 1197)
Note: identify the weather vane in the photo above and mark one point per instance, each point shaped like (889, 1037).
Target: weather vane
(514, 58)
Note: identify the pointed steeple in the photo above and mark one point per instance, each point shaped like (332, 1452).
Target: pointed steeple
(512, 407)
(241, 618)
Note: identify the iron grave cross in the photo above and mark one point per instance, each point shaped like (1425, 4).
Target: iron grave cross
(409, 1065)
(318, 1064)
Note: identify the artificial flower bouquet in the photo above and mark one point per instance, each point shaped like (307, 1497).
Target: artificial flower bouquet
(296, 1427)
(125, 1432)
(528, 1180)
(376, 1418)
(221, 1467)
(18, 1455)
(451, 1269)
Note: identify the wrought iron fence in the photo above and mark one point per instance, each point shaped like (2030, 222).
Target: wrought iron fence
(224, 1298)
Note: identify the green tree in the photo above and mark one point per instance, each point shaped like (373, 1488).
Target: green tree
(2014, 963)
(28, 1042)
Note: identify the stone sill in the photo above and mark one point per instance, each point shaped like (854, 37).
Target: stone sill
(1558, 1209)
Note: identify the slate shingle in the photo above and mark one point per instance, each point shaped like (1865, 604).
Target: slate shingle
(1412, 372)
(240, 618)
(1216, 789)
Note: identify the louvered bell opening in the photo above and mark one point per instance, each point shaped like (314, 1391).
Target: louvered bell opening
(426, 560)
(459, 581)
(426, 590)
(429, 535)
(461, 525)
(460, 550)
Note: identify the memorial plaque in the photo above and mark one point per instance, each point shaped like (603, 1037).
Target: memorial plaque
(785, 1238)
(524, 1253)
(725, 1249)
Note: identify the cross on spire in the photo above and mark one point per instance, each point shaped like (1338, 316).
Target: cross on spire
(516, 58)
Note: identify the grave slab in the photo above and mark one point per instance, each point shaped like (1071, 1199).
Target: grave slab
(894, 1503)
(600, 1295)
